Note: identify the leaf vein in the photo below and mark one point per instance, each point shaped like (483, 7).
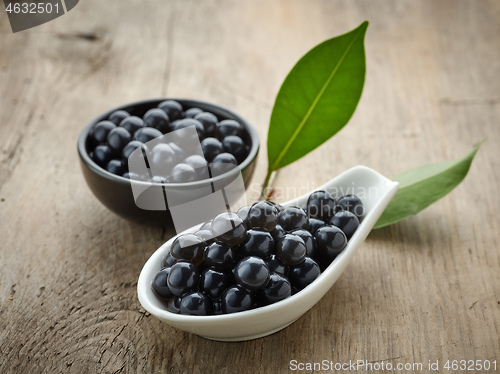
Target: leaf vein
(315, 102)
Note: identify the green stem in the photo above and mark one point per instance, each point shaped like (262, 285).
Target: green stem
(264, 195)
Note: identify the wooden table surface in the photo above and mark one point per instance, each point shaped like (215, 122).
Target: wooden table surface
(425, 289)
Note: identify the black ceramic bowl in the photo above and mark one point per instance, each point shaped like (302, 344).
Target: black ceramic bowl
(115, 192)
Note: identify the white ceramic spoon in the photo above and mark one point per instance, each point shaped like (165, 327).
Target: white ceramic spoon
(374, 190)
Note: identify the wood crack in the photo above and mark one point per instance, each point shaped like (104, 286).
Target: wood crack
(86, 36)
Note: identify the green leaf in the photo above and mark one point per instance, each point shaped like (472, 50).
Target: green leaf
(317, 98)
(420, 187)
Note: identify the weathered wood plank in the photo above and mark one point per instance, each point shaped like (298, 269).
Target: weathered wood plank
(423, 289)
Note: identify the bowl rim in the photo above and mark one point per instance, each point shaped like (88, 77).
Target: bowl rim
(205, 105)
(341, 262)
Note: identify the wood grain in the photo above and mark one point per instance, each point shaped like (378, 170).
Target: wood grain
(427, 288)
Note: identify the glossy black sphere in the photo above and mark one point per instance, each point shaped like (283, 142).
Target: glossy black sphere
(330, 241)
(163, 158)
(213, 282)
(229, 127)
(100, 132)
(243, 213)
(211, 147)
(220, 255)
(347, 221)
(222, 163)
(229, 228)
(315, 224)
(191, 122)
(251, 273)
(258, 243)
(117, 139)
(184, 141)
(131, 147)
(196, 304)
(278, 233)
(236, 299)
(168, 261)
(172, 108)
(183, 277)
(293, 217)
(117, 116)
(206, 225)
(321, 205)
(188, 247)
(115, 166)
(206, 236)
(132, 124)
(196, 161)
(157, 119)
(146, 134)
(160, 285)
(182, 173)
(303, 274)
(308, 239)
(353, 204)
(174, 305)
(291, 250)
(278, 288)
(209, 122)
(192, 112)
(101, 155)
(236, 146)
(264, 215)
(199, 165)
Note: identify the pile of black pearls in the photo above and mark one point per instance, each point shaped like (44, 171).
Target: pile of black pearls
(258, 256)
(113, 140)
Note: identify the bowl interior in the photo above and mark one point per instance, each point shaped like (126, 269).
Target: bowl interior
(250, 136)
(372, 188)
